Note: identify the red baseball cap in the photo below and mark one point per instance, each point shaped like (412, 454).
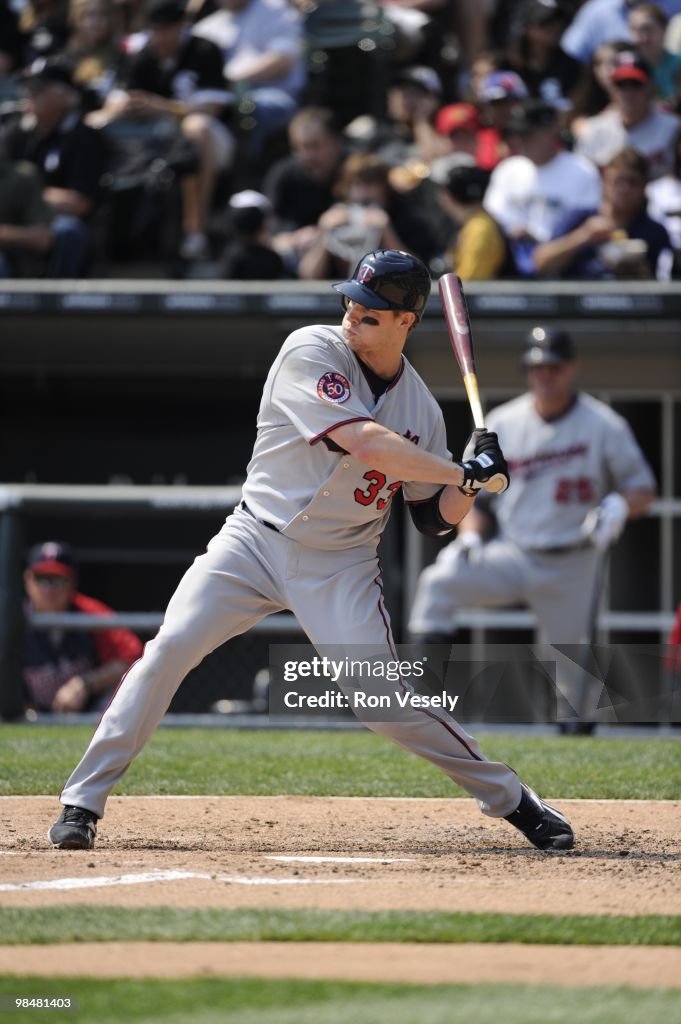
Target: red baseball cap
(53, 558)
(630, 67)
(457, 117)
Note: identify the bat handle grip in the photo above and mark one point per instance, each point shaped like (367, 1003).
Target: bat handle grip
(496, 484)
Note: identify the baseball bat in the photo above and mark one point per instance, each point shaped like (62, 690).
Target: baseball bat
(461, 338)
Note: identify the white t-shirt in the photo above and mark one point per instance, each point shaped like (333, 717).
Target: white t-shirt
(525, 197)
(604, 135)
(664, 205)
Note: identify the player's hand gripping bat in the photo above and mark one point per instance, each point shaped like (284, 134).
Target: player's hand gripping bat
(461, 337)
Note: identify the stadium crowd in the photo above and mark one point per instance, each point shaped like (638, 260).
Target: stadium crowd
(265, 139)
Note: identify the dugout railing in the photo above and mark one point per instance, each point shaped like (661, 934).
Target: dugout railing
(230, 672)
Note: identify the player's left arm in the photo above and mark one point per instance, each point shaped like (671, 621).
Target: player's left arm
(634, 487)
(631, 474)
(638, 500)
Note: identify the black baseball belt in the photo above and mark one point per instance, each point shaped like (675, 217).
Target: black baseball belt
(561, 549)
(251, 513)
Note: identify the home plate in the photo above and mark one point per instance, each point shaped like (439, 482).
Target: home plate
(342, 860)
(97, 882)
(161, 876)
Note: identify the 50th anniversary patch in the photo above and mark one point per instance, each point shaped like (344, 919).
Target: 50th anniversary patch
(334, 387)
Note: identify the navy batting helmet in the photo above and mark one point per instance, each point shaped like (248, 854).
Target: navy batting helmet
(389, 279)
(548, 346)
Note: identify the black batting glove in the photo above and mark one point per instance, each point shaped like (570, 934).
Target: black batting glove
(486, 442)
(488, 466)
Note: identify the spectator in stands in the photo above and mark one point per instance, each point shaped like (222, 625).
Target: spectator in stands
(664, 205)
(24, 220)
(485, 64)
(648, 25)
(249, 255)
(602, 21)
(633, 120)
(413, 23)
(44, 25)
(94, 46)
(616, 240)
(70, 155)
(371, 215)
(178, 77)
(69, 670)
(536, 55)
(300, 186)
(530, 192)
(457, 126)
(499, 94)
(595, 92)
(406, 133)
(480, 251)
(262, 47)
(11, 40)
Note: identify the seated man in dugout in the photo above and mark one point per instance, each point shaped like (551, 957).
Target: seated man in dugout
(75, 669)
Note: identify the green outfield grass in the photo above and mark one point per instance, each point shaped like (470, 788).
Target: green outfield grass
(26, 926)
(37, 759)
(256, 1001)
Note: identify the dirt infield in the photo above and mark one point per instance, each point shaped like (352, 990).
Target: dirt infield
(352, 853)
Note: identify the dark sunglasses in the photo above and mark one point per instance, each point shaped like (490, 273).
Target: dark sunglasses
(629, 83)
(51, 581)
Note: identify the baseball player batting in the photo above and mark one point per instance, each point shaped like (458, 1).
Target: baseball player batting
(344, 423)
(578, 474)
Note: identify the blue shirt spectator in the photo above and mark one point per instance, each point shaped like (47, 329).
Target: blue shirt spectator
(603, 21)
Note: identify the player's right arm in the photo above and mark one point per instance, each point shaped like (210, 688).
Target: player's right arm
(383, 449)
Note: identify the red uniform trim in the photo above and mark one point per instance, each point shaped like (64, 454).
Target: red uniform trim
(445, 725)
(354, 419)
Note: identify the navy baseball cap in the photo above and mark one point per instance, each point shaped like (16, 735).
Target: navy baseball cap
(53, 558)
(533, 116)
(467, 183)
(502, 85)
(164, 12)
(547, 346)
(419, 74)
(542, 12)
(48, 71)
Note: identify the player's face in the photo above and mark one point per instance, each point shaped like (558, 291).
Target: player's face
(552, 384)
(366, 330)
(48, 593)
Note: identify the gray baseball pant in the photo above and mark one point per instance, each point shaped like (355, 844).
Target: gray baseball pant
(248, 572)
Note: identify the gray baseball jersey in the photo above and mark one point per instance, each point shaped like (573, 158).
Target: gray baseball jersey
(562, 468)
(305, 540)
(300, 484)
(559, 470)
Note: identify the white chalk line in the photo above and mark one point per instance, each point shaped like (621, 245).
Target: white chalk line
(341, 860)
(145, 877)
(360, 799)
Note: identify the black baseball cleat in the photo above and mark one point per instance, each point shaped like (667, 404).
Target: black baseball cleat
(74, 829)
(544, 826)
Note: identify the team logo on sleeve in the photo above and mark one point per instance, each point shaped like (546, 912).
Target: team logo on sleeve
(334, 387)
